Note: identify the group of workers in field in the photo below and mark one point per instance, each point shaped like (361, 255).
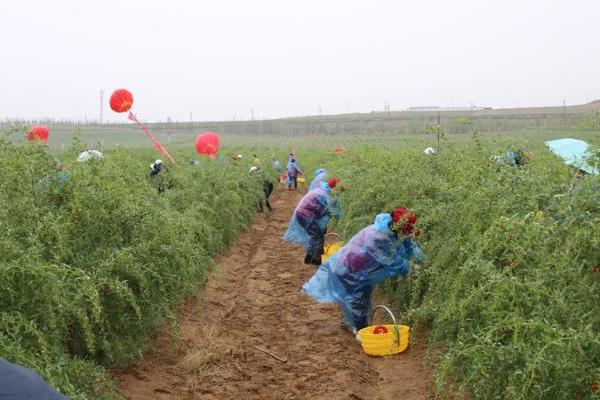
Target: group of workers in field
(381, 250)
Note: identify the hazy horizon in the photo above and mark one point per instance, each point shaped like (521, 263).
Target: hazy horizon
(234, 59)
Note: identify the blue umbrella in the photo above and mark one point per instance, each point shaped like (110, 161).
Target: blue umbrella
(20, 383)
(573, 152)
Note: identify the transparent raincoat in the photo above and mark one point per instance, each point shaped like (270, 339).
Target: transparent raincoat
(320, 176)
(371, 256)
(292, 171)
(313, 210)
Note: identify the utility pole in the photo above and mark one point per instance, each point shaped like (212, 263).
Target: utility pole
(101, 103)
(320, 111)
(439, 131)
(564, 118)
(252, 114)
(191, 118)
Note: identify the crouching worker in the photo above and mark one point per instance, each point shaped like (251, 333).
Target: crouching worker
(379, 251)
(160, 176)
(309, 221)
(267, 188)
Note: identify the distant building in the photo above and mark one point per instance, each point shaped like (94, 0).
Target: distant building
(436, 108)
(423, 108)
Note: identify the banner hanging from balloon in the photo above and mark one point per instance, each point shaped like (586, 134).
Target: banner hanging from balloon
(121, 101)
(161, 149)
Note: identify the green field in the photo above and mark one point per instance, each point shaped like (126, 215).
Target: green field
(93, 264)
(510, 290)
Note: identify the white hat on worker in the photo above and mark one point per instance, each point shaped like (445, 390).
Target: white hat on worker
(89, 154)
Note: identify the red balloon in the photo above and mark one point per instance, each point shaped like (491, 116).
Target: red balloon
(38, 132)
(121, 100)
(208, 143)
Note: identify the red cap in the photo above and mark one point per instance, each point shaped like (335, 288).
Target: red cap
(333, 182)
(406, 218)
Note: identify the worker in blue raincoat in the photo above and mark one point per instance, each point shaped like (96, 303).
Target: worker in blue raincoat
(513, 158)
(379, 251)
(309, 221)
(516, 158)
(320, 176)
(293, 171)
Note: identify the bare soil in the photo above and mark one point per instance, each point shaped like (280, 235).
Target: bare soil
(256, 336)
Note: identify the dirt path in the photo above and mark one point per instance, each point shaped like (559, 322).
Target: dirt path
(255, 303)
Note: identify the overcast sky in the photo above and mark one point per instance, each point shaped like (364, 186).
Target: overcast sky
(220, 59)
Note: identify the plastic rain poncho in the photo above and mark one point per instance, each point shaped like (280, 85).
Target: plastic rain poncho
(515, 158)
(371, 256)
(313, 209)
(292, 169)
(320, 176)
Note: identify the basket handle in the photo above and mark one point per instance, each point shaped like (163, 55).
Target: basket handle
(332, 234)
(391, 314)
(381, 307)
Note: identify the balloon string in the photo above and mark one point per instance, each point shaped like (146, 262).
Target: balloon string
(161, 149)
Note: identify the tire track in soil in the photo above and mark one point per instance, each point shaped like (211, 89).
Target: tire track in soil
(255, 301)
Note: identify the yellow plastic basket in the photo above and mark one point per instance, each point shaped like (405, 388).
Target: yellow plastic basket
(384, 344)
(330, 249)
(301, 180)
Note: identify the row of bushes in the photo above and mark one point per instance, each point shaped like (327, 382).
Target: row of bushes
(510, 290)
(93, 258)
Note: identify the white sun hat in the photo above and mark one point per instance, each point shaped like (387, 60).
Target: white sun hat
(89, 154)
